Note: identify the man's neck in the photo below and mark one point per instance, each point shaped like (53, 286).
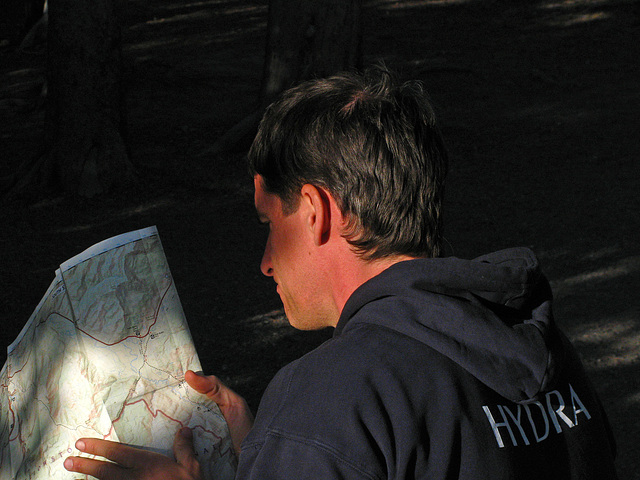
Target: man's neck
(351, 271)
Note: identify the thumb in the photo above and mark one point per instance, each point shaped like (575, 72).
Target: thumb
(184, 452)
(234, 408)
(212, 387)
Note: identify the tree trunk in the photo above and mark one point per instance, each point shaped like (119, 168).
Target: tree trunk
(309, 38)
(85, 115)
(305, 38)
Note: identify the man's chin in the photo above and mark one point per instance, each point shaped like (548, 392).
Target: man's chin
(307, 325)
(295, 321)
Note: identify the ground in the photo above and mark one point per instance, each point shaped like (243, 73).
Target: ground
(538, 102)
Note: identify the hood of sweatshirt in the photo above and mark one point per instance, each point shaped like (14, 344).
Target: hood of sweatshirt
(491, 315)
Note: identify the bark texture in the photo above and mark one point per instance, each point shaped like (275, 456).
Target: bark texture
(85, 112)
(308, 38)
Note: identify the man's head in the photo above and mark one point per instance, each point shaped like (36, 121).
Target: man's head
(373, 145)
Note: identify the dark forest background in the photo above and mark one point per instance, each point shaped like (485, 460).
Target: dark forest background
(538, 101)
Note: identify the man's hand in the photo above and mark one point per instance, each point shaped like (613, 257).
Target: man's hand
(234, 408)
(130, 463)
(134, 464)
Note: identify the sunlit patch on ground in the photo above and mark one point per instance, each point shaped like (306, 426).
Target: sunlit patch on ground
(613, 271)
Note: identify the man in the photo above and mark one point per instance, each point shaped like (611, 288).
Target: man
(439, 368)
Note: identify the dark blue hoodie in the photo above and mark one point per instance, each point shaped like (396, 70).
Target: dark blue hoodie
(438, 369)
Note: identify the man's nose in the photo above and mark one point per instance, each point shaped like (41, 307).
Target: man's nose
(265, 265)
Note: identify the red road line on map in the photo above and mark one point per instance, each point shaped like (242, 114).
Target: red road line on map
(13, 416)
(147, 406)
(155, 415)
(17, 371)
(155, 319)
(20, 369)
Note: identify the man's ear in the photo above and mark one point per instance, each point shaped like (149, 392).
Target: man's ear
(318, 202)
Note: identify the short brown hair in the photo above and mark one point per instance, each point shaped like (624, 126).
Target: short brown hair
(373, 144)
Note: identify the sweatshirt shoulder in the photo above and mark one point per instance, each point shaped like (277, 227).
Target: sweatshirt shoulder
(363, 366)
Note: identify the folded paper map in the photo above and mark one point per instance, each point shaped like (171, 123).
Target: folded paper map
(104, 355)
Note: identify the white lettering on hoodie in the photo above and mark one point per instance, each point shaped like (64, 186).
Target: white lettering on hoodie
(535, 424)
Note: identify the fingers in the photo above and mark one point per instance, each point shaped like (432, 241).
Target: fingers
(96, 468)
(184, 452)
(234, 408)
(135, 464)
(121, 454)
(116, 452)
